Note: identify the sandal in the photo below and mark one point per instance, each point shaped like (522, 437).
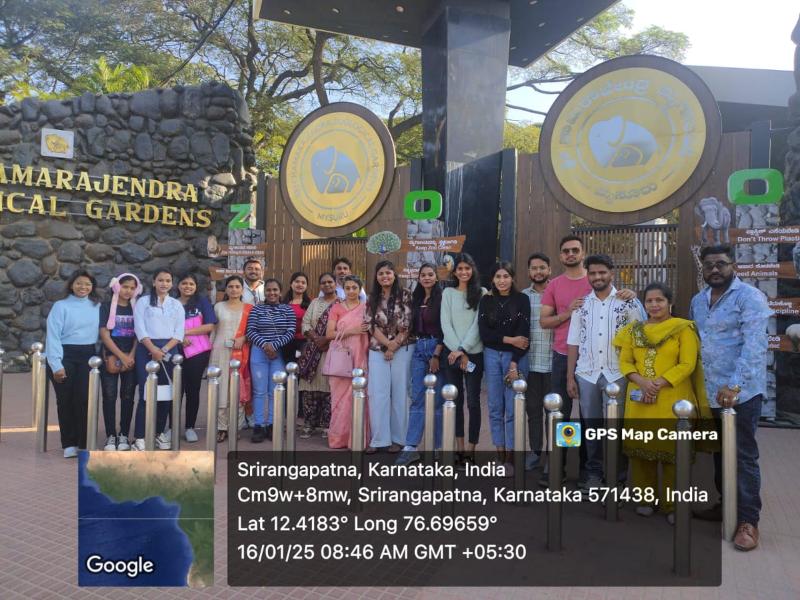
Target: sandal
(394, 448)
(222, 435)
(370, 450)
(306, 432)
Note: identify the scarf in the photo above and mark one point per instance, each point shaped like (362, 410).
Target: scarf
(310, 358)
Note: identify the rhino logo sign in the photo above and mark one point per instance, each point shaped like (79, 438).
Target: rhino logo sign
(618, 142)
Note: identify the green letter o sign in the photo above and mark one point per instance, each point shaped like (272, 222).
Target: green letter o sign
(410, 205)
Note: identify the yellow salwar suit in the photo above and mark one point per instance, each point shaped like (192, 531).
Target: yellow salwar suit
(670, 349)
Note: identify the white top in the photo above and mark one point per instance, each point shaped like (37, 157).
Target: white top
(162, 322)
(592, 329)
(255, 295)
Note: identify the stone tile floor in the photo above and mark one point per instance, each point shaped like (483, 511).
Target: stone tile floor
(38, 530)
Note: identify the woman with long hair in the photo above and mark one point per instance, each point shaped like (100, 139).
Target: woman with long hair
(158, 320)
(119, 347)
(660, 358)
(72, 327)
(229, 342)
(270, 327)
(195, 347)
(315, 391)
(426, 303)
(504, 318)
(388, 315)
(298, 300)
(463, 350)
(346, 325)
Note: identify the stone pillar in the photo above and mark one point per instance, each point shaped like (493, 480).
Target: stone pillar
(464, 66)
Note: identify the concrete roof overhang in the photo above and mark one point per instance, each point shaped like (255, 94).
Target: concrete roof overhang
(537, 26)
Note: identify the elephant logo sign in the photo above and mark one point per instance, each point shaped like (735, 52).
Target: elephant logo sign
(333, 171)
(716, 220)
(618, 142)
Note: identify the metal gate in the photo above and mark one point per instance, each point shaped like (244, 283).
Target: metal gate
(317, 255)
(642, 254)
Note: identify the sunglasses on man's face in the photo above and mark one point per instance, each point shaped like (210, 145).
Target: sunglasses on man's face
(570, 251)
(719, 265)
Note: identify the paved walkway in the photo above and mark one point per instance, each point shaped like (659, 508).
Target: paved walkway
(38, 530)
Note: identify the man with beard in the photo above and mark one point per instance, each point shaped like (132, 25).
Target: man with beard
(254, 284)
(732, 319)
(563, 295)
(540, 356)
(592, 360)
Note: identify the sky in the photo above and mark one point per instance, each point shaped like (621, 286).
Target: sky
(722, 33)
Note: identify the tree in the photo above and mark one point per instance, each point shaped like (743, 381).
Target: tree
(54, 47)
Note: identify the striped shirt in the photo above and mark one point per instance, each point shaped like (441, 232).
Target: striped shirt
(540, 351)
(271, 324)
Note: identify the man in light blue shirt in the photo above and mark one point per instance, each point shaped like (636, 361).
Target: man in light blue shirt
(732, 319)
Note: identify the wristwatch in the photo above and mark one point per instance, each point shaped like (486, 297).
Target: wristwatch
(461, 349)
(384, 347)
(735, 388)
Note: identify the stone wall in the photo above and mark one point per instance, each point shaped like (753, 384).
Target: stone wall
(199, 135)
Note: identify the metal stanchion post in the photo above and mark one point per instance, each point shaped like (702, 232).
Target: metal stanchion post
(177, 399)
(357, 424)
(553, 402)
(357, 372)
(520, 386)
(729, 485)
(150, 404)
(233, 405)
(611, 450)
(682, 536)
(36, 353)
(93, 402)
(40, 402)
(429, 439)
(449, 393)
(292, 393)
(279, 412)
(213, 373)
(2, 354)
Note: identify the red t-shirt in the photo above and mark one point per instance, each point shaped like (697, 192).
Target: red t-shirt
(299, 313)
(560, 293)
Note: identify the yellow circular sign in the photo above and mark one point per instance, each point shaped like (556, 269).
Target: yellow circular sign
(335, 168)
(628, 139)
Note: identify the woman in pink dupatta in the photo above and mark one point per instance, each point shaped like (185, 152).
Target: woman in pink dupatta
(347, 320)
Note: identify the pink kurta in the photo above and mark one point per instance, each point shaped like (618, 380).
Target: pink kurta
(341, 387)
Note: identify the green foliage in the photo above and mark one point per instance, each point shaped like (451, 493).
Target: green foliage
(522, 136)
(103, 79)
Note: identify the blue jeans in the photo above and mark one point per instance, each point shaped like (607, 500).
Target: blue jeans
(423, 351)
(261, 369)
(501, 397)
(748, 474)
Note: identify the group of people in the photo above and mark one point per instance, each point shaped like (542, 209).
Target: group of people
(572, 334)
(586, 334)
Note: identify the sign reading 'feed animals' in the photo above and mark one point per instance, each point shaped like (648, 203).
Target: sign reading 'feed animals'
(627, 136)
(337, 169)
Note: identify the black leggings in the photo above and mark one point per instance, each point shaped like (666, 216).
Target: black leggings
(109, 384)
(72, 396)
(193, 370)
(453, 374)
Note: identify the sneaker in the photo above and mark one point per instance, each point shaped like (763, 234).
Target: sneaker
(163, 441)
(544, 480)
(190, 435)
(268, 432)
(111, 443)
(645, 511)
(259, 435)
(123, 443)
(306, 432)
(407, 457)
(138, 445)
(168, 433)
(531, 461)
(713, 513)
(583, 479)
(70, 452)
(593, 481)
(746, 538)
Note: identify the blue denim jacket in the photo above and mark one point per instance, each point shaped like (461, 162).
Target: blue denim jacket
(733, 339)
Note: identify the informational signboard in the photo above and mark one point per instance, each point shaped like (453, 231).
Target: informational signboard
(446, 244)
